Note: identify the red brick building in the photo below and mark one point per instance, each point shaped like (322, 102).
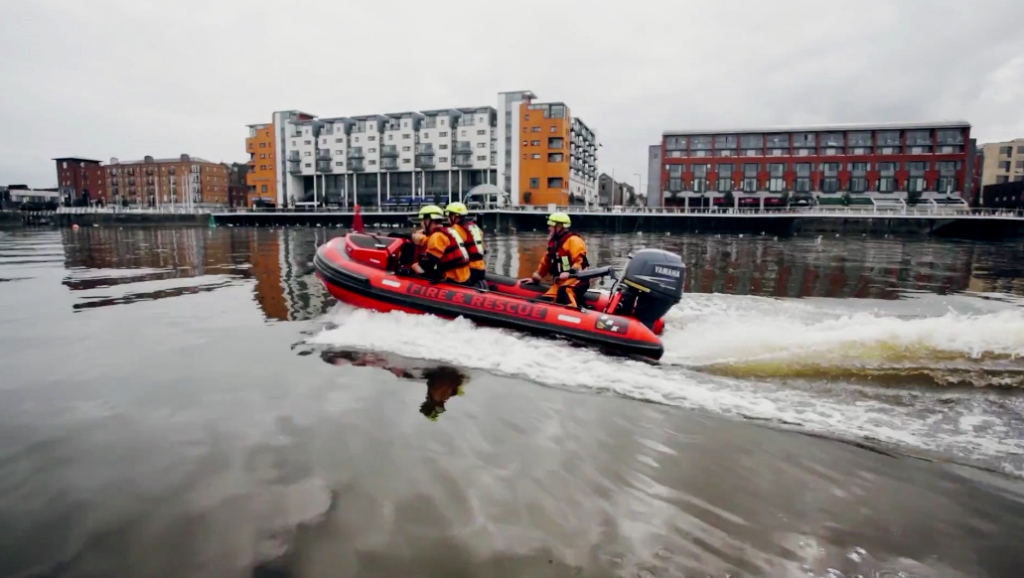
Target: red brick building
(829, 164)
(81, 181)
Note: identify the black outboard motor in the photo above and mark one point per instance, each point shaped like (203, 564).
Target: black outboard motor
(651, 285)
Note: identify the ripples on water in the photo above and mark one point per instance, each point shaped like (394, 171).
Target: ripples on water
(912, 343)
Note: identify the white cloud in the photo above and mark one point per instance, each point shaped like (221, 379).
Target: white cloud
(127, 78)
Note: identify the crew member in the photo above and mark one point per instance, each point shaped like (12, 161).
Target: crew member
(444, 253)
(458, 216)
(566, 255)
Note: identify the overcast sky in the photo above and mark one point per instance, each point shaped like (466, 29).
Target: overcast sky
(127, 78)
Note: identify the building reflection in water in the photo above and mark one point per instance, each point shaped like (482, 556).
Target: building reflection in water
(149, 264)
(840, 268)
(146, 264)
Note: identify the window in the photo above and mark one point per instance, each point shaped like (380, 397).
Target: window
(700, 143)
(830, 185)
(483, 157)
(859, 139)
(442, 134)
(263, 188)
(832, 169)
(778, 141)
(949, 136)
(887, 138)
(832, 139)
(751, 141)
(750, 185)
(727, 141)
(675, 185)
(533, 143)
(886, 184)
(724, 178)
(481, 131)
(307, 142)
(947, 185)
(534, 129)
(406, 149)
(1004, 166)
(858, 185)
(407, 135)
(887, 169)
(534, 182)
(308, 154)
(675, 143)
(442, 147)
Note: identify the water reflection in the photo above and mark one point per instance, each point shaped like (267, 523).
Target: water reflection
(109, 266)
(443, 381)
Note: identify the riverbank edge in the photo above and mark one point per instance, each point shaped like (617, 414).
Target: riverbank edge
(782, 225)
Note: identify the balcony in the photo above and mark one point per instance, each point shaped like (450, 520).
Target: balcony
(324, 167)
(356, 165)
(389, 151)
(389, 164)
(294, 168)
(463, 161)
(425, 162)
(356, 153)
(463, 147)
(424, 149)
(293, 157)
(323, 155)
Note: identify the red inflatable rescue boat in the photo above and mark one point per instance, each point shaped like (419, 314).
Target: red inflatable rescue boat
(372, 271)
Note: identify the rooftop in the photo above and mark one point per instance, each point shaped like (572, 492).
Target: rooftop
(80, 159)
(191, 159)
(825, 127)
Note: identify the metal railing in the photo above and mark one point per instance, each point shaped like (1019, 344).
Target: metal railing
(576, 209)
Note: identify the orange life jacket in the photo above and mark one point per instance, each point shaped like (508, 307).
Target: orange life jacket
(559, 260)
(455, 254)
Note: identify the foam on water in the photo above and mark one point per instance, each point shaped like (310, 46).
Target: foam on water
(712, 330)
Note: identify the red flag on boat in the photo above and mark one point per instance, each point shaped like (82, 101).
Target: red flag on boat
(357, 221)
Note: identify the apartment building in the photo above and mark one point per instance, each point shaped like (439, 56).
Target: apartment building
(261, 178)
(238, 184)
(827, 164)
(155, 182)
(1002, 162)
(397, 158)
(613, 193)
(81, 181)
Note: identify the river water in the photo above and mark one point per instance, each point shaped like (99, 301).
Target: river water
(189, 402)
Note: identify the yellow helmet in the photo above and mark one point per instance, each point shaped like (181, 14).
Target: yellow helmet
(456, 208)
(559, 219)
(431, 212)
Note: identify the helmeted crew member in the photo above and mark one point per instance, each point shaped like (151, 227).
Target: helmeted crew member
(458, 216)
(566, 254)
(444, 254)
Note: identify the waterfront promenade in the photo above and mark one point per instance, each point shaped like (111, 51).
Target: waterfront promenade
(923, 219)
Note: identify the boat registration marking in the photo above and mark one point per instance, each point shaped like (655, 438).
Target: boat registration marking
(569, 319)
(390, 283)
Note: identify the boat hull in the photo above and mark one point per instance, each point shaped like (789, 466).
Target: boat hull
(362, 285)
